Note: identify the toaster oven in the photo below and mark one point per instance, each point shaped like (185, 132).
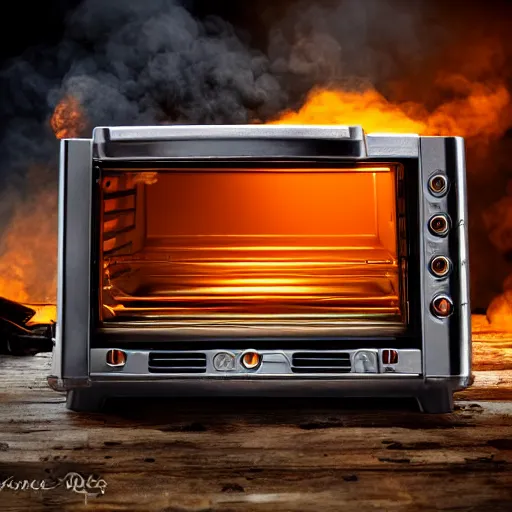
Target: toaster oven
(262, 260)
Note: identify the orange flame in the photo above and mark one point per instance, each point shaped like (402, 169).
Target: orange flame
(480, 110)
(28, 250)
(68, 120)
(29, 247)
(369, 109)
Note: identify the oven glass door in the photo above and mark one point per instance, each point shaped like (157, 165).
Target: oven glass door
(311, 247)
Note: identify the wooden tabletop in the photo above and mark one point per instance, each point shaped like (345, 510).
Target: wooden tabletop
(264, 454)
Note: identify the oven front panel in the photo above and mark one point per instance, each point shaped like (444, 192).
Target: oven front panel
(257, 364)
(184, 248)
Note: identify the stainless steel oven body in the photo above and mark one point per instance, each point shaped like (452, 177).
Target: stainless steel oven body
(262, 260)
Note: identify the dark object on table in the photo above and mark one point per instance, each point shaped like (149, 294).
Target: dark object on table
(19, 333)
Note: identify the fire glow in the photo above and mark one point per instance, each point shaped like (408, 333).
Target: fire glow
(28, 265)
(482, 111)
(188, 265)
(68, 120)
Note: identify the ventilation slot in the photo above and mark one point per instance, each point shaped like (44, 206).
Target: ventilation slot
(177, 362)
(321, 362)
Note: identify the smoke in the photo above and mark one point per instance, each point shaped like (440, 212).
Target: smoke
(132, 62)
(348, 43)
(154, 63)
(124, 63)
(128, 62)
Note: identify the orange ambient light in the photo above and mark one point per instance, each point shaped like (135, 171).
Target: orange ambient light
(251, 360)
(116, 358)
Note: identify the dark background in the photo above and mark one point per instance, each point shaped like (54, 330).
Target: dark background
(25, 24)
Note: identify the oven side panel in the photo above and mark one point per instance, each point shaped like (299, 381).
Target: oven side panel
(70, 354)
(446, 342)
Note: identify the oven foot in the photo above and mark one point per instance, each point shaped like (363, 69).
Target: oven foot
(436, 401)
(84, 400)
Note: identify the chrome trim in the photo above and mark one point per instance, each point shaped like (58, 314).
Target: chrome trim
(66, 384)
(446, 341)
(442, 192)
(446, 229)
(201, 132)
(224, 361)
(250, 376)
(116, 365)
(441, 296)
(384, 145)
(251, 351)
(74, 259)
(447, 262)
(462, 233)
(274, 363)
(56, 369)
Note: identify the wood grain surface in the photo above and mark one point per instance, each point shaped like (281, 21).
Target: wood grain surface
(265, 454)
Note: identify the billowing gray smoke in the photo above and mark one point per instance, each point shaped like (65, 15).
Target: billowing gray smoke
(132, 62)
(154, 63)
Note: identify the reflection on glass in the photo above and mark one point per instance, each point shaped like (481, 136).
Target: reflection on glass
(251, 245)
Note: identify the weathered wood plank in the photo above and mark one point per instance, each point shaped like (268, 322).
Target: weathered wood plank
(288, 457)
(262, 454)
(492, 349)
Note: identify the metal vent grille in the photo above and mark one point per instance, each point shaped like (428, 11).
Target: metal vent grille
(321, 362)
(177, 362)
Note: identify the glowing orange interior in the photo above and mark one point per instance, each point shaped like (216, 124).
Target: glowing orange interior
(251, 245)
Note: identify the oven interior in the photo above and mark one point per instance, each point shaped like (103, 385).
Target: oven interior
(253, 245)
